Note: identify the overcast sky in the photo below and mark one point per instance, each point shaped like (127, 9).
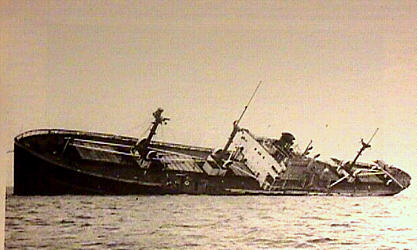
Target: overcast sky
(333, 71)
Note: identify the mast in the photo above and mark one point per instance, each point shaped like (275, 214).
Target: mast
(144, 144)
(365, 145)
(236, 123)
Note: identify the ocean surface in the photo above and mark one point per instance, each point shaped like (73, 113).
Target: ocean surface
(210, 222)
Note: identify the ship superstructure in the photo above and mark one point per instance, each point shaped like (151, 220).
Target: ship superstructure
(56, 161)
(53, 161)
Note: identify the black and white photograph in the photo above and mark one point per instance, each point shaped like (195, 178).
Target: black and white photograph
(208, 124)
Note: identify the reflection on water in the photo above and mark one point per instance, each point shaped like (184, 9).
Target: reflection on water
(134, 222)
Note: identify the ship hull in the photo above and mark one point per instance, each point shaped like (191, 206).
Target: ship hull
(37, 175)
(45, 163)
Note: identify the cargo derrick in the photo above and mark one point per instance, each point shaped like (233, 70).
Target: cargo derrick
(52, 161)
(345, 170)
(142, 146)
(266, 161)
(222, 161)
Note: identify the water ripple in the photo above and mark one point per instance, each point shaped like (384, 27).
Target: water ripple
(209, 222)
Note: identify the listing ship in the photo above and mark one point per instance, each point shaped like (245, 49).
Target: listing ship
(57, 162)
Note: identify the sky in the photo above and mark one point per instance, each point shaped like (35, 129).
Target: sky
(332, 72)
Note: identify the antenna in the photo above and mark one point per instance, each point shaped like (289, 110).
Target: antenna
(236, 123)
(247, 105)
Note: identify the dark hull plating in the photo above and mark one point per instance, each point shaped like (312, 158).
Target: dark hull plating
(46, 163)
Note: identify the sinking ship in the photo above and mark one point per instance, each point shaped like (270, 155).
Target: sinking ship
(57, 162)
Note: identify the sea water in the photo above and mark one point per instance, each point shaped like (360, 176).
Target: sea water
(210, 222)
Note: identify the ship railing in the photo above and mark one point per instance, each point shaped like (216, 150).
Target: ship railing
(70, 132)
(181, 146)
